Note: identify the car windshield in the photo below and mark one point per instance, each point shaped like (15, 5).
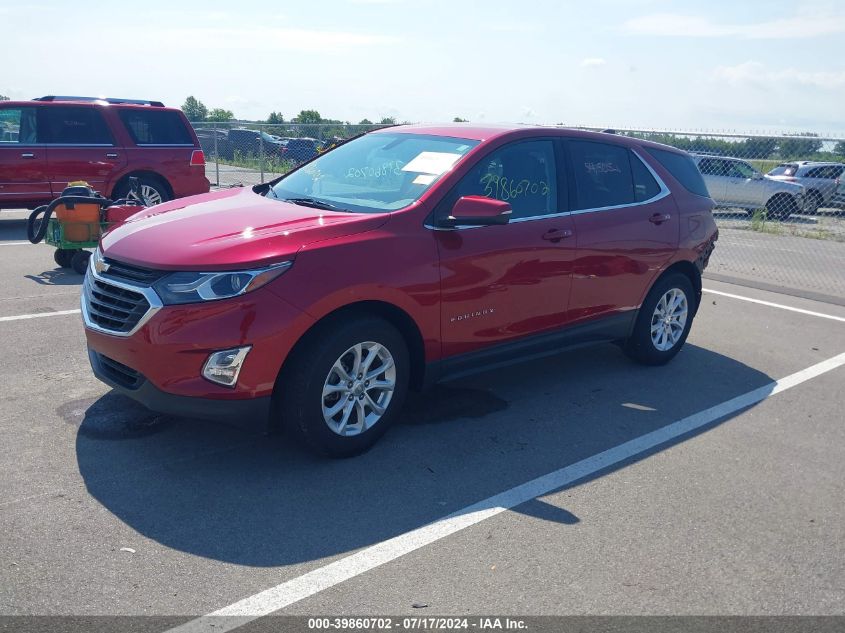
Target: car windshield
(375, 173)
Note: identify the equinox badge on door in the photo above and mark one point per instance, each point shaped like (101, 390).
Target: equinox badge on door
(471, 315)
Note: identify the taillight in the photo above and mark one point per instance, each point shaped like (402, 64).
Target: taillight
(197, 158)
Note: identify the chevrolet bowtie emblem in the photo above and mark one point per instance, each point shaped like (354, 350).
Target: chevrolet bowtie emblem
(100, 266)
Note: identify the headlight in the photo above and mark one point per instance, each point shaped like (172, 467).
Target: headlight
(189, 287)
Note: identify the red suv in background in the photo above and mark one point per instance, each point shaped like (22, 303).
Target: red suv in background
(405, 256)
(47, 142)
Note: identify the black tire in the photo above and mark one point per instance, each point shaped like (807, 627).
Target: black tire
(640, 345)
(64, 257)
(79, 261)
(299, 392)
(814, 202)
(155, 184)
(780, 206)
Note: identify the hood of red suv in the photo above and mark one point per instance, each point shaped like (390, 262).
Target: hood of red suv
(226, 230)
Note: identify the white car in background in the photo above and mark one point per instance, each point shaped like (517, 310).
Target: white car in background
(734, 183)
(820, 179)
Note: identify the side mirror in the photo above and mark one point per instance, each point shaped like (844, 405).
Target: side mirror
(757, 176)
(478, 211)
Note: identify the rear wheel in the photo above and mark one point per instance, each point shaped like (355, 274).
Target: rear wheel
(781, 206)
(152, 190)
(814, 201)
(663, 322)
(344, 387)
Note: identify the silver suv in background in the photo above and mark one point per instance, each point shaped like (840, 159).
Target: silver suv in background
(733, 183)
(820, 180)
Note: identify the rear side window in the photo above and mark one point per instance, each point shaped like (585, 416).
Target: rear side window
(156, 127)
(17, 125)
(602, 175)
(683, 169)
(828, 172)
(72, 126)
(243, 136)
(645, 186)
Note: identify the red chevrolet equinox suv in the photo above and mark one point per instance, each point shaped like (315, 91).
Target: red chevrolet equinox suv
(405, 256)
(50, 141)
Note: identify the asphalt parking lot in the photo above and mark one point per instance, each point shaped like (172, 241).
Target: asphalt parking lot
(711, 486)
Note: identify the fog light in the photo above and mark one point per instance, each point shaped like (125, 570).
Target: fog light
(224, 366)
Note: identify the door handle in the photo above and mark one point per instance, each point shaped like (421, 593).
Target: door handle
(556, 235)
(27, 155)
(660, 218)
(111, 155)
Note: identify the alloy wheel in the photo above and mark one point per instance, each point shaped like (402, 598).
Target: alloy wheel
(358, 388)
(669, 319)
(150, 195)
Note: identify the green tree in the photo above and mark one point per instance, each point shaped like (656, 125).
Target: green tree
(458, 119)
(219, 114)
(388, 120)
(275, 118)
(4, 98)
(308, 116)
(839, 149)
(800, 147)
(758, 147)
(194, 109)
(365, 122)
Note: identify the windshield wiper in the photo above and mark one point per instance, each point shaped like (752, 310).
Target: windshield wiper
(317, 204)
(270, 191)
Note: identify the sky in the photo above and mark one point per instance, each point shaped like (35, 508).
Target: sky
(721, 65)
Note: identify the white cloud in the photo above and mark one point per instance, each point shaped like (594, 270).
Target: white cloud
(592, 62)
(757, 74)
(803, 25)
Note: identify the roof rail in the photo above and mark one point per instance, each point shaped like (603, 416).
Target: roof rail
(157, 104)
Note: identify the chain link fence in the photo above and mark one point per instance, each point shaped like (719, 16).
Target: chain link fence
(253, 153)
(780, 199)
(780, 207)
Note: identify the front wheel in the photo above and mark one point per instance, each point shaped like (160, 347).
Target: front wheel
(64, 256)
(79, 261)
(663, 321)
(345, 386)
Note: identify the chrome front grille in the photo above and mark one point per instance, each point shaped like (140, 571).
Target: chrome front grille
(114, 307)
(120, 271)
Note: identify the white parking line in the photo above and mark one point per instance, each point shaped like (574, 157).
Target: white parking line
(317, 580)
(38, 315)
(774, 305)
(21, 243)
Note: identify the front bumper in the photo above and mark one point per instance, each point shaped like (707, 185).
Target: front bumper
(133, 384)
(158, 361)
